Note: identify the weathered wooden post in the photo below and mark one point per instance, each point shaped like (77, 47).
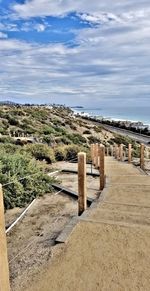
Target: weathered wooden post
(102, 166)
(82, 195)
(142, 156)
(4, 270)
(129, 153)
(116, 151)
(96, 153)
(121, 152)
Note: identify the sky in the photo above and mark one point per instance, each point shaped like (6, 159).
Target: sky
(88, 53)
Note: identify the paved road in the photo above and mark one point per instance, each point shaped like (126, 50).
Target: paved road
(138, 137)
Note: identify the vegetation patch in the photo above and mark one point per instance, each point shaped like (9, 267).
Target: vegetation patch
(23, 179)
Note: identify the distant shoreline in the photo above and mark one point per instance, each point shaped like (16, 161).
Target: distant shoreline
(109, 124)
(110, 117)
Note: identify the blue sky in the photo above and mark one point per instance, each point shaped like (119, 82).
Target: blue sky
(90, 53)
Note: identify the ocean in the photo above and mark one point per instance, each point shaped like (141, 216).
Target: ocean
(120, 113)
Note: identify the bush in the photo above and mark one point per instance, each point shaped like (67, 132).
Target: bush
(119, 139)
(47, 130)
(65, 140)
(76, 138)
(60, 153)
(41, 152)
(12, 120)
(9, 148)
(21, 191)
(71, 152)
(72, 126)
(93, 139)
(48, 139)
(6, 139)
(97, 129)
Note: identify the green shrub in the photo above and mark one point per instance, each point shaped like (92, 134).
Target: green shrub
(6, 139)
(41, 152)
(64, 140)
(13, 121)
(60, 153)
(13, 167)
(48, 139)
(93, 139)
(60, 130)
(47, 130)
(97, 128)
(71, 152)
(76, 138)
(119, 139)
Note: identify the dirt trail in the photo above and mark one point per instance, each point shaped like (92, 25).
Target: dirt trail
(109, 247)
(31, 242)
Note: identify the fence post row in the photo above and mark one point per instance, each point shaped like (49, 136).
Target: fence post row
(102, 166)
(4, 269)
(142, 156)
(82, 195)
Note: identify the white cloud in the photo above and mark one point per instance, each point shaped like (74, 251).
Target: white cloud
(109, 63)
(61, 7)
(3, 35)
(39, 27)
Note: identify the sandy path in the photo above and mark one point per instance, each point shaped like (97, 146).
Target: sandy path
(31, 242)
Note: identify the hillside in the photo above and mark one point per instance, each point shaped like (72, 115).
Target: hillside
(32, 138)
(51, 125)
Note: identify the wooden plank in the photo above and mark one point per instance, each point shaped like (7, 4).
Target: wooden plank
(71, 193)
(76, 172)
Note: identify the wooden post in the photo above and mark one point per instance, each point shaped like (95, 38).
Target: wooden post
(4, 270)
(82, 195)
(116, 151)
(121, 152)
(96, 154)
(142, 156)
(102, 166)
(129, 153)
